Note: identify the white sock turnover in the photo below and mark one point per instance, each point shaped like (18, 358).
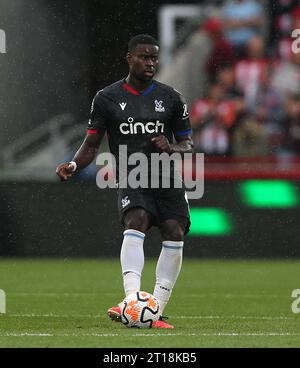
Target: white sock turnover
(132, 260)
(167, 270)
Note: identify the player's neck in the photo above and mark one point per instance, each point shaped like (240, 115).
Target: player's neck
(138, 85)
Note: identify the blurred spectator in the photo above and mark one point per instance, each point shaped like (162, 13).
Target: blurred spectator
(215, 106)
(286, 77)
(250, 71)
(212, 119)
(250, 138)
(222, 53)
(225, 77)
(268, 110)
(291, 126)
(242, 20)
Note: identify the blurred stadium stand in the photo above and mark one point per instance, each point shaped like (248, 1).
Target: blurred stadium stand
(32, 156)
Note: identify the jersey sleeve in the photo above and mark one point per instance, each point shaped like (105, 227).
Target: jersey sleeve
(181, 121)
(98, 115)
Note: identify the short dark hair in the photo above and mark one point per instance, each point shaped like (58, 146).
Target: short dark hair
(141, 39)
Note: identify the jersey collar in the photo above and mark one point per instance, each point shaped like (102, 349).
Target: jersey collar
(128, 88)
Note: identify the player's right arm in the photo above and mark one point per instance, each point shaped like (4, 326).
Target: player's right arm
(88, 150)
(83, 157)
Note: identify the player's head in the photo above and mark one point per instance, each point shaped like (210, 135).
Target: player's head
(142, 56)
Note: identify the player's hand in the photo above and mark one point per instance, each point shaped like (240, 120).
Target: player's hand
(65, 171)
(161, 143)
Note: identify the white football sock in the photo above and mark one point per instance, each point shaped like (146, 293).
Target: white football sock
(167, 271)
(132, 260)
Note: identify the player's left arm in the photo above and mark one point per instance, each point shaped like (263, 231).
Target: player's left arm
(184, 144)
(182, 130)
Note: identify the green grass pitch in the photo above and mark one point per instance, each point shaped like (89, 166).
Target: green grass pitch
(216, 303)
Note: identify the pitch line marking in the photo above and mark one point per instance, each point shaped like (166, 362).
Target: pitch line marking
(232, 317)
(57, 295)
(229, 334)
(53, 315)
(26, 334)
(238, 296)
(200, 295)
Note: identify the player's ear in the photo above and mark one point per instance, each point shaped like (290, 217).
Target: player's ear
(129, 58)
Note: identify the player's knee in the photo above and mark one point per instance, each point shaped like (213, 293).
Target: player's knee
(137, 219)
(172, 230)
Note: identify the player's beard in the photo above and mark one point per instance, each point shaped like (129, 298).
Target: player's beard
(144, 78)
